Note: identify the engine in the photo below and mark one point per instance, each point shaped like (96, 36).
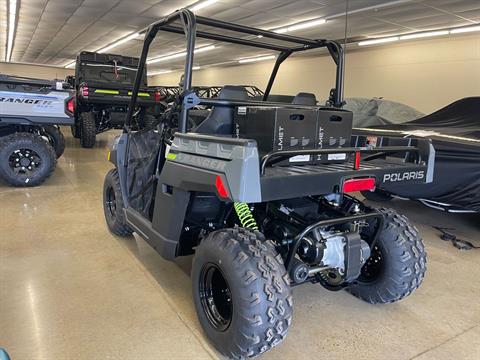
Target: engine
(331, 254)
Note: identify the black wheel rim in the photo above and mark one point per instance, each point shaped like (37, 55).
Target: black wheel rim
(374, 266)
(24, 161)
(216, 297)
(110, 202)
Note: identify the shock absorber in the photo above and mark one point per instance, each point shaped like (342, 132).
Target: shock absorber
(245, 216)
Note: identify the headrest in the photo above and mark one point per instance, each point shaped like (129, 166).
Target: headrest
(303, 98)
(232, 92)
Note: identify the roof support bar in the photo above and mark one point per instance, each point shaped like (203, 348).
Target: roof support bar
(280, 59)
(253, 31)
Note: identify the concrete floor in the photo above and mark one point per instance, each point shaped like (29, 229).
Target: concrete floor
(71, 290)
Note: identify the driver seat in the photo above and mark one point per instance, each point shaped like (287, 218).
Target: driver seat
(220, 119)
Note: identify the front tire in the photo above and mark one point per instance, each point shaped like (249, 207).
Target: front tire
(88, 129)
(397, 264)
(26, 159)
(113, 206)
(241, 292)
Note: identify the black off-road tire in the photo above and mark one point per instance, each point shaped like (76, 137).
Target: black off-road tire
(75, 130)
(41, 152)
(397, 264)
(88, 129)
(150, 122)
(113, 205)
(259, 289)
(377, 195)
(55, 138)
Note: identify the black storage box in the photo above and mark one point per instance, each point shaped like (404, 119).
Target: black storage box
(334, 130)
(277, 128)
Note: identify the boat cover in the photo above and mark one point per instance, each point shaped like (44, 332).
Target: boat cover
(455, 133)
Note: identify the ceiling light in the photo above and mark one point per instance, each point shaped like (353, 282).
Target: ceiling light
(12, 16)
(180, 54)
(465, 29)
(119, 42)
(257, 58)
(153, 73)
(202, 4)
(424, 34)
(70, 65)
(196, 68)
(378, 41)
(300, 26)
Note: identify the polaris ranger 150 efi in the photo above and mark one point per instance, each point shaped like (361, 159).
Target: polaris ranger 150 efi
(30, 139)
(103, 85)
(259, 191)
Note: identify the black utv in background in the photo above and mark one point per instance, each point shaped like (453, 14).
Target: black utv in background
(103, 84)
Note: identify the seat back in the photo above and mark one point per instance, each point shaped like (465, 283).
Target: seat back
(303, 98)
(220, 119)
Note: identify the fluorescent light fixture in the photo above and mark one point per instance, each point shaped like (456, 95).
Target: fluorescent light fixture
(465, 29)
(70, 65)
(12, 16)
(202, 4)
(424, 34)
(300, 26)
(257, 58)
(196, 68)
(180, 54)
(153, 73)
(378, 41)
(119, 42)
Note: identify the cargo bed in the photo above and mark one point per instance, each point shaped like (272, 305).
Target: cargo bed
(283, 182)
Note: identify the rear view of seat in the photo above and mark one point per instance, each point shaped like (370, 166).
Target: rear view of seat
(220, 119)
(303, 98)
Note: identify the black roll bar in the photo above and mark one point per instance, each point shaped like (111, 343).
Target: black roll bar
(189, 23)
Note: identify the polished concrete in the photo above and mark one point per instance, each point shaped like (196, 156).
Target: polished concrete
(71, 290)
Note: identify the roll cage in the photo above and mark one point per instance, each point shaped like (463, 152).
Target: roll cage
(269, 41)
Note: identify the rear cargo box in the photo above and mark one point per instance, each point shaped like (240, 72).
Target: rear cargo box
(276, 128)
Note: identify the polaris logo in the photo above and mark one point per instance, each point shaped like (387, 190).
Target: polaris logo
(406, 176)
(25, 101)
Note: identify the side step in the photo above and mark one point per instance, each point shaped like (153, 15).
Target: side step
(143, 227)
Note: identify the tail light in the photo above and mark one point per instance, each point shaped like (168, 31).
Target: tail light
(356, 163)
(221, 189)
(84, 91)
(158, 96)
(361, 184)
(70, 106)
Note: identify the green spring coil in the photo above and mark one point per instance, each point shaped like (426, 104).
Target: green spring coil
(245, 215)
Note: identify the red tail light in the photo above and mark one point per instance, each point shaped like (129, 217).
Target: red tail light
(158, 96)
(221, 189)
(353, 185)
(71, 105)
(356, 164)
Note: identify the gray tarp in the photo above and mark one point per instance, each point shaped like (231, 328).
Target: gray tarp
(372, 112)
